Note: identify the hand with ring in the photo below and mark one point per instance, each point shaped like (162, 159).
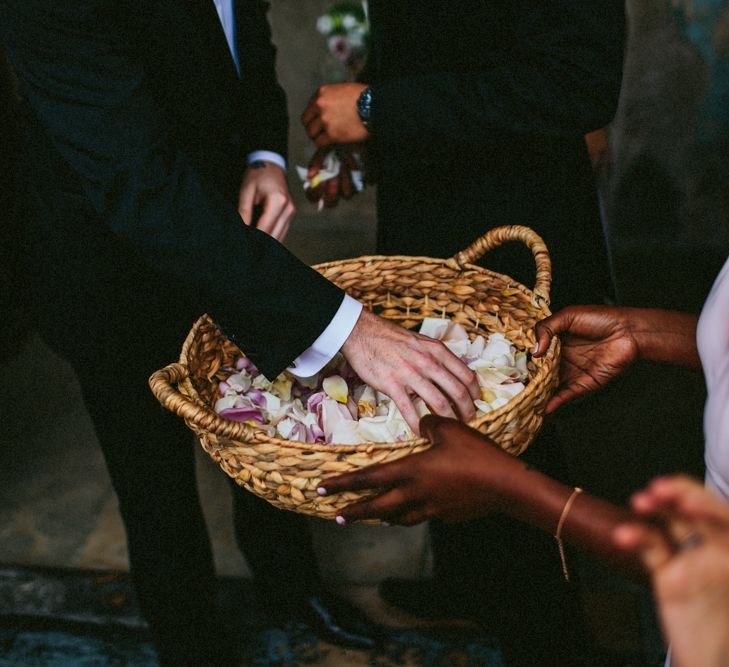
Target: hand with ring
(688, 559)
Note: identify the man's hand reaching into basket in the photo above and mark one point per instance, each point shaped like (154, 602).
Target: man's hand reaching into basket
(404, 365)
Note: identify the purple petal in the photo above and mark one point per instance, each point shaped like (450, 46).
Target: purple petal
(223, 387)
(314, 401)
(257, 397)
(317, 433)
(244, 363)
(242, 414)
(314, 434)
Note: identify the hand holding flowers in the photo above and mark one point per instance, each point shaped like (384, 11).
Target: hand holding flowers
(333, 173)
(331, 115)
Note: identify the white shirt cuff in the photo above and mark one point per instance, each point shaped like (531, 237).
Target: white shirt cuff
(311, 361)
(267, 156)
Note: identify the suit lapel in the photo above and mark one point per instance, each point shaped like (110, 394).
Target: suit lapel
(204, 17)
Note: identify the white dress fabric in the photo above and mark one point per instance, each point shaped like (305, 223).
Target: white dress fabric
(712, 339)
(713, 344)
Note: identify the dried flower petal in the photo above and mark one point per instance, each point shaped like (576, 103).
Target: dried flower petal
(367, 403)
(331, 414)
(243, 415)
(282, 387)
(336, 388)
(311, 410)
(225, 403)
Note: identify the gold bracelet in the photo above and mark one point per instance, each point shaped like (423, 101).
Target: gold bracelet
(558, 534)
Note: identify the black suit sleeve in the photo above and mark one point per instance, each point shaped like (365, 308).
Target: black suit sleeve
(562, 79)
(92, 100)
(266, 99)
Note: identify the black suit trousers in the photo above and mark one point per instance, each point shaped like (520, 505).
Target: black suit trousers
(116, 320)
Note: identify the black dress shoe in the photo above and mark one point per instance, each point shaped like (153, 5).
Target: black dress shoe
(334, 620)
(426, 599)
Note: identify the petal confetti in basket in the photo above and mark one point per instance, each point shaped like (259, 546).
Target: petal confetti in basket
(405, 290)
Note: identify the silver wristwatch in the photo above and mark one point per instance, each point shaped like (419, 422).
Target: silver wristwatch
(364, 107)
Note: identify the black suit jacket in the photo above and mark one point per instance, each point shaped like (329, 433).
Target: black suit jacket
(137, 132)
(479, 114)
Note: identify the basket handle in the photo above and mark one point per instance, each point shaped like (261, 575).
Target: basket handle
(162, 383)
(500, 235)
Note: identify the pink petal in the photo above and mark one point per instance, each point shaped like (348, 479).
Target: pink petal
(242, 414)
(314, 401)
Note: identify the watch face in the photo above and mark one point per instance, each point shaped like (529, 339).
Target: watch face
(364, 106)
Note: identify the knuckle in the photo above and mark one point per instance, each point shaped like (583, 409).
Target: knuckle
(418, 359)
(460, 394)
(440, 404)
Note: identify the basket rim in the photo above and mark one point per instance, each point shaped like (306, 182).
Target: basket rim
(450, 262)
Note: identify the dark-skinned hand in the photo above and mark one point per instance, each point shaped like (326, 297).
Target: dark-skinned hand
(460, 477)
(597, 346)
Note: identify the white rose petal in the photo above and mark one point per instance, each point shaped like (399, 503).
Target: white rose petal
(332, 414)
(346, 433)
(476, 347)
(458, 347)
(273, 403)
(225, 402)
(262, 383)
(239, 382)
(285, 426)
(374, 429)
(434, 327)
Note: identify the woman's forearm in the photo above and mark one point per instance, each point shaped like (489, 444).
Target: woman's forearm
(539, 500)
(665, 336)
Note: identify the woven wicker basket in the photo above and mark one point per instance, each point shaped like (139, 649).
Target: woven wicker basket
(402, 289)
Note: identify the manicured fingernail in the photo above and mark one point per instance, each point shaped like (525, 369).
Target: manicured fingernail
(340, 520)
(321, 490)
